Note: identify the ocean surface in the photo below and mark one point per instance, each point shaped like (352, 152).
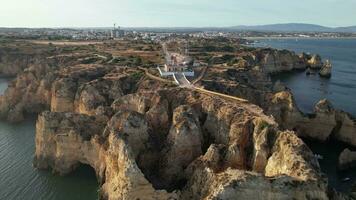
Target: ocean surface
(20, 181)
(308, 90)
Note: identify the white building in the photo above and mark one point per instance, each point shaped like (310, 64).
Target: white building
(117, 33)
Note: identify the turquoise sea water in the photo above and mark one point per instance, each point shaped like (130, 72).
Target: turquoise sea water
(20, 181)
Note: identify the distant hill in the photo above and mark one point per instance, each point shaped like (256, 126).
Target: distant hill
(295, 27)
(289, 27)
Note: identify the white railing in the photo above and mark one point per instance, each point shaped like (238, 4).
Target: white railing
(175, 79)
(163, 73)
(186, 78)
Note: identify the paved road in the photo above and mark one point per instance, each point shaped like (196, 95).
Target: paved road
(183, 82)
(166, 53)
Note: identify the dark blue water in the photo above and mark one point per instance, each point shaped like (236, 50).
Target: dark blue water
(308, 90)
(340, 90)
(20, 181)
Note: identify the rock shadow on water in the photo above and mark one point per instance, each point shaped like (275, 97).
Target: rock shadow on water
(330, 152)
(79, 184)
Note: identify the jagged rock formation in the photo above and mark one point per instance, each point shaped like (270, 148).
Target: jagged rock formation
(232, 183)
(275, 61)
(149, 140)
(347, 159)
(204, 150)
(29, 92)
(37, 68)
(14, 61)
(326, 70)
(314, 61)
(321, 125)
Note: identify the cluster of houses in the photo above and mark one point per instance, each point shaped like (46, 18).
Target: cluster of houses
(177, 63)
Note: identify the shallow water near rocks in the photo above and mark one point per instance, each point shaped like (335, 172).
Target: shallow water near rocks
(340, 89)
(330, 152)
(19, 180)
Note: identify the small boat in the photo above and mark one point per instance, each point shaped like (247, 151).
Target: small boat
(318, 156)
(346, 179)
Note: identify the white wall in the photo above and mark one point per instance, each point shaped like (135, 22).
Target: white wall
(163, 73)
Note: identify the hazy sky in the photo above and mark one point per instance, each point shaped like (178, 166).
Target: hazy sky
(168, 13)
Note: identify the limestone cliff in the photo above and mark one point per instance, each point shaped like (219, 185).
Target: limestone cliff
(347, 159)
(14, 60)
(210, 149)
(325, 71)
(150, 140)
(275, 61)
(321, 125)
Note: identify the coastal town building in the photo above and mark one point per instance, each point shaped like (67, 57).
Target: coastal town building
(176, 63)
(117, 32)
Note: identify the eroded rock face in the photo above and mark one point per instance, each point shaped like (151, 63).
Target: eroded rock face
(184, 144)
(325, 71)
(347, 159)
(213, 149)
(315, 61)
(275, 61)
(230, 183)
(147, 142)
(63, 141)
(14, 61)
(27, 93)
(321, 125)
(288, 157)
(63, 93)
(345, 130)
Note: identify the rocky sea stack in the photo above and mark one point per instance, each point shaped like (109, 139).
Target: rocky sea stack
(326, 70)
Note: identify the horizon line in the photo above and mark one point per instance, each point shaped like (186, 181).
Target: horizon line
(154, 27)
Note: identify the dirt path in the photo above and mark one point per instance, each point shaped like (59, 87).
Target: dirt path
(252, 108)
(147, 73)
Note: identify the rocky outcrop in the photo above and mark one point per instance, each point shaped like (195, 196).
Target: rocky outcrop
(324, 123)
(326, 70)
(30, 92)
(65, 140)
(149, 140)
(288, 157)
(283, 108)
(184, 138)
(14, 60)
(63, 93)
(50, 84)
(276, 61)
(345, 130)
(229, 183)
(314, 61)
(213, 149)
(347, 159)
(319, 125)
